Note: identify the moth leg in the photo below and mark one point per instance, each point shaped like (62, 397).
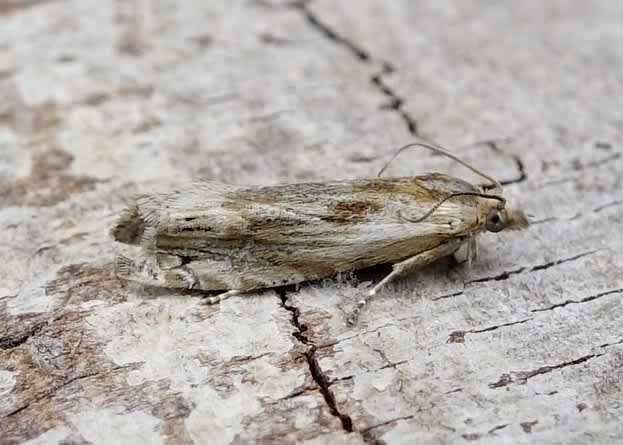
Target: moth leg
(221, 297)
(158, 271)
(414, 262)
(472, 250)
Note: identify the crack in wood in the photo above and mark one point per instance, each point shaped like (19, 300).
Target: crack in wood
(346, 378)
(388, 362)
(385, 423)
(394, 364)
(452, 391)
(358, 334)
(476, 436)
(607, 345)
(15, 340)
(450, 295)
(297, 393)
(578, 215)
(577, 166)
(521, 169)
(603, 145)
(329, 33)
(497, 428)
(597, 163)
(607, 205)
(318, 375)
(583, 300)
(507, 274)
(396, 102)
(459, 336)
(241, 360)
(521, 377)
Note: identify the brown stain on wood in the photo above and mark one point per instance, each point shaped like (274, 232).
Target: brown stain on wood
(45, 163)
(130, 42)
(15, 334)
(135, 90)
(47, 184)
(456, 337)
(527, 426)
(58, 364)
(82, 282)
(11, 6)
(29, 120)
(148, 122)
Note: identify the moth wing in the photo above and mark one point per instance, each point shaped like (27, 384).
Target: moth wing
(344, 222)
(213, 236)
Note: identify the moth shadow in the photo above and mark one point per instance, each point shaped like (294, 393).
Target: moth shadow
(152, 292)
(378, 272)
(373, 274)
(444, 269)
(158, 292)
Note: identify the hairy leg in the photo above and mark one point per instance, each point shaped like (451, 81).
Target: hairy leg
(403, 267)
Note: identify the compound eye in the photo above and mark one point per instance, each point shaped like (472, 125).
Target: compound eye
(496, 220)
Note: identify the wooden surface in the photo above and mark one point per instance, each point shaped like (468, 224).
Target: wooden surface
(99, 99)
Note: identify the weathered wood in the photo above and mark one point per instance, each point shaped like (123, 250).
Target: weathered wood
(101, 99)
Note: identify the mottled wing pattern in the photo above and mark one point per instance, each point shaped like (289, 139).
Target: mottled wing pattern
(314, 212)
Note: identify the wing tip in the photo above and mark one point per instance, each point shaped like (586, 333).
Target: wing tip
(130, 227)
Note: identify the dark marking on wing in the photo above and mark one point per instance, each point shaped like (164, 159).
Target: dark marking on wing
(346, 211)
(356, 207)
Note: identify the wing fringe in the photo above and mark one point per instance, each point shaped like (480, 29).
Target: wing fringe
(130, 227)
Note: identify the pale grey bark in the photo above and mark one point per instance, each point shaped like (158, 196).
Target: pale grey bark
(99, 100)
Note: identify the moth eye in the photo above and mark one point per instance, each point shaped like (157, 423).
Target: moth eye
(496, 220)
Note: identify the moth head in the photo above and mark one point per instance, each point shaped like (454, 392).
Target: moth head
(491, 205)
(501, 217)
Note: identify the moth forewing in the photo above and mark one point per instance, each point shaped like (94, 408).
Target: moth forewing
(218, 237)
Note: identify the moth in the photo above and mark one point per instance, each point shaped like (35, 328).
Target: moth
(235, 239)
